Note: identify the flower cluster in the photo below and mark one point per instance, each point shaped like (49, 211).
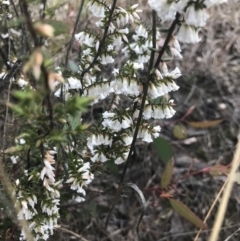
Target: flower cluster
(114, 71)
(79, 177)
(194, 13)
(36, 204)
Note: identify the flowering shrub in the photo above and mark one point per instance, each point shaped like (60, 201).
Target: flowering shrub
(121, 62)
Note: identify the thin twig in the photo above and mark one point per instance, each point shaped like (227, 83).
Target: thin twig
(73, 233)
(25, 44)
(73, 33)
(6, 118)
(230, 236)
(29, 23)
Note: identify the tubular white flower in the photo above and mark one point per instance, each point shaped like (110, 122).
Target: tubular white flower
(145, 135)
(98, 92)
(176, 73)
(86, 39)
(158, 113)
(115, 124)
(126, 87)
(99, 157)
(147, 112)
(127, 140)
(210, 3)
(121, 159)
(167, 10)
(97, 140)
(175, 53)
(106, 59)
(195, 17)
(188, 34)
(96, 9)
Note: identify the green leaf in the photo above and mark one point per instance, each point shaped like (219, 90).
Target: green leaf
(59, 27)
(180, 131)
(113, 168)
(74, 121)
(164, 30)
(204, 124)
(24, 95)
(167, 174)
(185, 212)
(16, 109)
(163, 148)
(167, 49)
(13, 149)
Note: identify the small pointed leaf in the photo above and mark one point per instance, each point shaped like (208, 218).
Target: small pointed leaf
(167, 174)
(204, 124)
(185, 212)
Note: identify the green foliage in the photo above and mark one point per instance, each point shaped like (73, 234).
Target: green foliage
(180, 131)
(167, 174)
(163, 149)
(185, 212)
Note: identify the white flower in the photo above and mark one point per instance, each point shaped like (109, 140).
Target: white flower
(196, 18)
(188, 34)
(140, 32)
(85, 167)
(115, 72)
(74, 83)
(123, 17)
(143, 58)
(127, 140)
(48, 169)
(79, 199)
(155, 131)
(6, 2)
(115, 124)
(96, 9)
(123, 31)
(106, 59)
(153, 93)
(165, 10)
(138, 66)
(145, 135)
(175, 53)
(109, 47)
(97, 140)
(147, 113)
(210, 3)
(87, 177)
(86, 39)
(99, 91)
(126, 87)
(175, 44)
(169, 112)
(158, 74)
(158, 113)
(122, 158)
(99, 157)
(176, 73)
(14, 159)
(71, 83)
(22, 83)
